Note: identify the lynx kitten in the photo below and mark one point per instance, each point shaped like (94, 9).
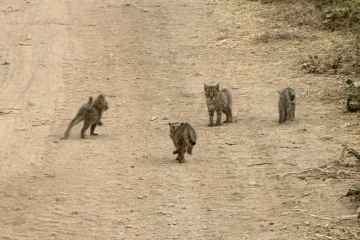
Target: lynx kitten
(219, 101)
(90, 113)
(287, 104)
(184, 139)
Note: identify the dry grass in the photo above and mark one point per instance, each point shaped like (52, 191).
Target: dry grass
(341, 58)
(268, 37)
(321, 14)
(343, 229)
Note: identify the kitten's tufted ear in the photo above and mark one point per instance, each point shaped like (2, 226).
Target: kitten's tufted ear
(217, 86)
(205, 87)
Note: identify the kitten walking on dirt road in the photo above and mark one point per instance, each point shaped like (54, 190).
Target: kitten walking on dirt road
(219, 101)
(287, 104)
(90, 113)
(184, 139)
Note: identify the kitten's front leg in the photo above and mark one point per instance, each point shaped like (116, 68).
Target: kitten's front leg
(288, 113)
(218, 117)
(292, 112)
(211, 118)
(281, 114)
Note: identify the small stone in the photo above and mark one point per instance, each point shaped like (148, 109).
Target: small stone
(153, 118)
(252, 183)
(140, 197)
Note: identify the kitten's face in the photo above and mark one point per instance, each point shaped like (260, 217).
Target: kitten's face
(174, 127)
(102, 102)
(212, 92)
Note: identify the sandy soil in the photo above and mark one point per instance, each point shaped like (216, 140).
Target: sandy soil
(151, 59)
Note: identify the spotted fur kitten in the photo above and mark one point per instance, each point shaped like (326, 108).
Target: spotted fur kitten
(287, 104)
(90, 113)
(184, 139)
(219, 101)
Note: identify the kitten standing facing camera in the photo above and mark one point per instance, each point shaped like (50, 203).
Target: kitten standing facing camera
(219, 102)
(184, 139)
(287, 104)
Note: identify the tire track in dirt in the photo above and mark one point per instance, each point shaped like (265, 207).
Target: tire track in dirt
(35, 44)
(29, 88)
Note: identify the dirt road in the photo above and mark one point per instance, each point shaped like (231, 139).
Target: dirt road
(151, 59)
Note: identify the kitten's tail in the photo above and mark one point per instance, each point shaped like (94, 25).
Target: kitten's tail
(192, 140)
(191, 136)
(90, 102)
(292, 96)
